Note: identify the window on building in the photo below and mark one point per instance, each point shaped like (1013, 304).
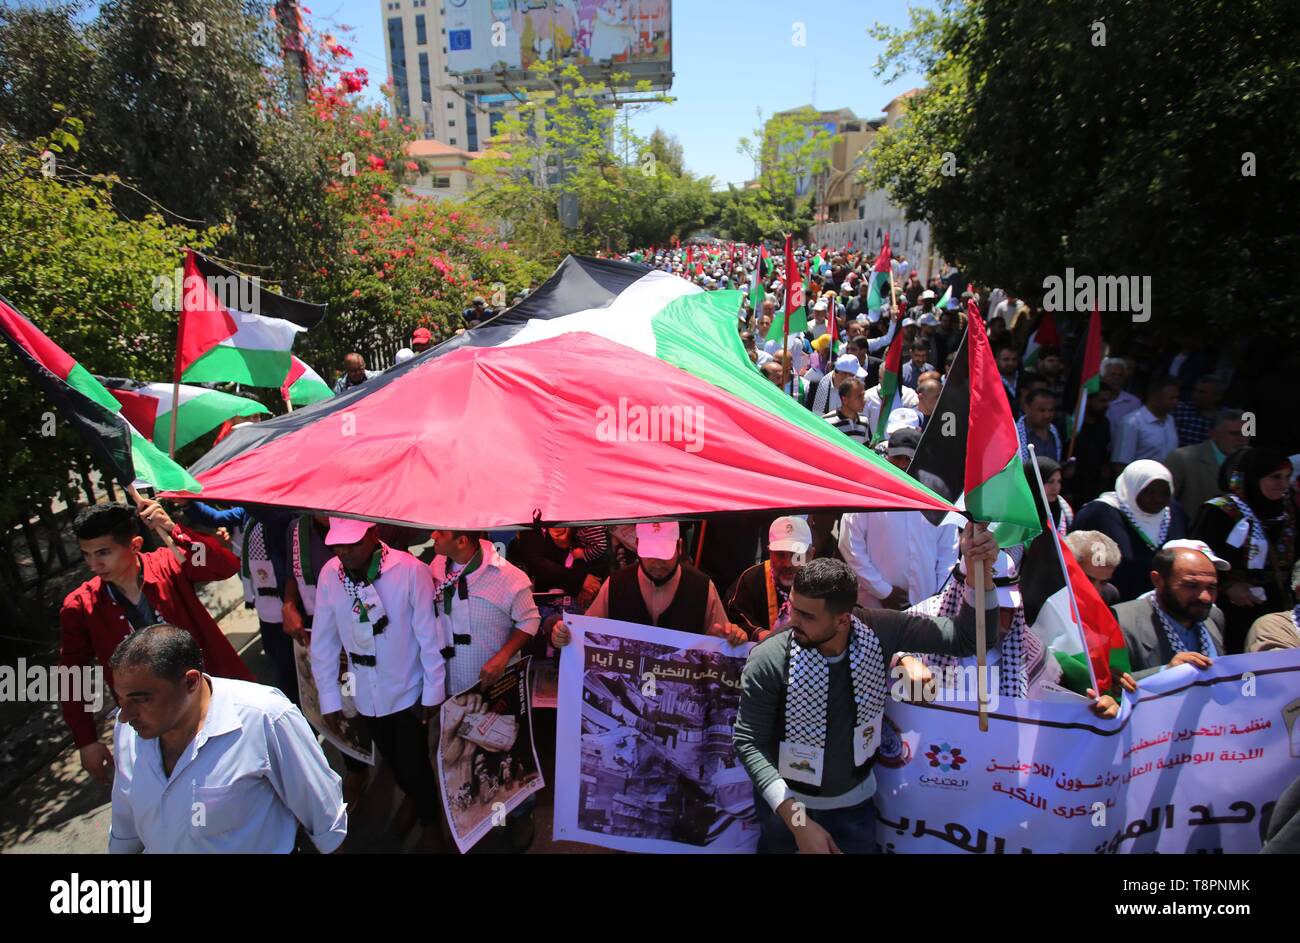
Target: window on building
(420, 37)
(450, 105)
(471, 125)
(451, 122)
(426, 84)
(442, 183)
(452, 142)
(397, 55)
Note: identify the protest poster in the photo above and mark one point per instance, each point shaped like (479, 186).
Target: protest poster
(644, 760)
(485, 757)
(1193, 764)
(354, 742)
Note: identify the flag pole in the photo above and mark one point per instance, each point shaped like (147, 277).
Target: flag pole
(981, 648)
(176, 364)
(1065, 571)
(1077, 422)
(165, 537)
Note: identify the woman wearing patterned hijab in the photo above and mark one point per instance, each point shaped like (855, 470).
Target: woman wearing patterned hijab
(1140, 515)
(1252, 526)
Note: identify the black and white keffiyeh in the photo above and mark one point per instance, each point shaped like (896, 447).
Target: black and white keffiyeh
(1024, 438)
(1172, 633)
(1020, 649)
(809, 686)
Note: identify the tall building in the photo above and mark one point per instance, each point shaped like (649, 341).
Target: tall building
(425, 92)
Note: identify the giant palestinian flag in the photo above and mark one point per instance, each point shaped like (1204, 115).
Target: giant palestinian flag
(83, 401)
(618, 392)
(231, 331)
(150, 409)
(970, 452)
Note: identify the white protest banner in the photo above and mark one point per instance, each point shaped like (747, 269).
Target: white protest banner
(643, 755)
(484, 754)
(1193, 764)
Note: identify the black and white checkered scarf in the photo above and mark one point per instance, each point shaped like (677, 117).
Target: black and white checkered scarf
(1172, 634)
(809, 686)
(1020, 649)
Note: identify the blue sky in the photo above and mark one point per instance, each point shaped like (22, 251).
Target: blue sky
(729, 59)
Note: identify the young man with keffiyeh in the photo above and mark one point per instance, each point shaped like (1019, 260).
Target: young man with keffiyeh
(376, 604)
(812, 701)
(1176, 623)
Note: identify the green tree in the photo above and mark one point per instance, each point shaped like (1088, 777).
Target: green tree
(1139, 143)
(789, 149)
(85, 276)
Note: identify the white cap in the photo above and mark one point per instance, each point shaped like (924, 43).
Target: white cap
(927, 294)
(1005, 580)
(346, 530)
(403, 355)
(905, 417)
(820, 305)
(1219, 562)
(789, 533)
(657, 540)
(847, 363)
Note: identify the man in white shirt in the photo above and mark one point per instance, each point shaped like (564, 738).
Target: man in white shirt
(375, 603)
(210, 765)
(1150, 432)
(899, 557)
(1114, 375)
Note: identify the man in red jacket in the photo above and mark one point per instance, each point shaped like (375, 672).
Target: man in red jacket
(131, 590)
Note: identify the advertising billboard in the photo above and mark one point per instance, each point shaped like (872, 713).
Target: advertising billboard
(493, 43)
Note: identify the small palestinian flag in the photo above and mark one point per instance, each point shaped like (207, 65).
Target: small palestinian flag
(1053, 585)
(304, 386)
(970, 452)
(122, 451)
(756, 292)
(148, 407)
(768, 263)
(1088, 379)
(794, 299)
(946, 301)
(231, 331)
(880, 275)
(1044, 335)
(890, 377)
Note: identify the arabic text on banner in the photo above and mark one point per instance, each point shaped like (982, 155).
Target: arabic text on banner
(1193, 764)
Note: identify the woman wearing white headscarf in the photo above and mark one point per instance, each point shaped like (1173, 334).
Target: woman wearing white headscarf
(1140, 515)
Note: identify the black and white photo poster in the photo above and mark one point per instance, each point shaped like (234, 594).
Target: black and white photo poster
(486, 761)
(644, 760)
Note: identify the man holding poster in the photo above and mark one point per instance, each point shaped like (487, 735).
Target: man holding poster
(810, 763)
